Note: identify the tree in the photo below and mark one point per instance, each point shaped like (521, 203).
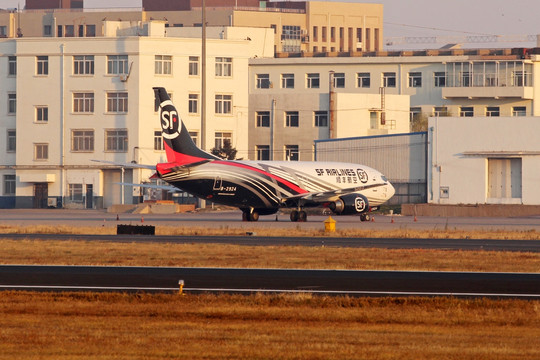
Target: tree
(225, 152)
(419, 122)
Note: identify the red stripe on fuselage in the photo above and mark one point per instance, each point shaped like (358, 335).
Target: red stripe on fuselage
(283, 181)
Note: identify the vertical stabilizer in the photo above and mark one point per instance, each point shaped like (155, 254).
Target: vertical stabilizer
(179, 145)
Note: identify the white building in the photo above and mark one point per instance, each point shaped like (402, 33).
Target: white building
(484, 160)
(72, 100)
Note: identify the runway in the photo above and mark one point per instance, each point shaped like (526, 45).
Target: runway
(330, 241)
(231, 280)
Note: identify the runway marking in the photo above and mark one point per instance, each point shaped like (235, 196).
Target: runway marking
(270, 291)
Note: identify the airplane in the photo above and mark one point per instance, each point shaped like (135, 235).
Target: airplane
(264, 187)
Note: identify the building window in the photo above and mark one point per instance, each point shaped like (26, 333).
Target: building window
(339, 80)
(83, 64)
(263, 119)
(313, 81)
(117, 102)
(223, 66)
(117, 64)
(193, 103)
(519, 111)
(69, 31)
(12, 103)
(332, 34)
(415, 113)
(42, 65)
(321, 118)
(82, 140)
(263, 152)
(83, 102)
(493, 111)
(12, 65)
(163, 65)
(11, 141)
(287, 81)
(195, 137)
(116, 140)
(440, 111)
(315, 33)
(75, 192)
(440, 78)
(291, 152)
(158, 141)
(466, 111)
(47, 30)
(363, 80)
(41, 151)
(90, 30)
(3, 31)
(323, 34)
(60, 32)
(263, 81)
(415, 79)
(9, 185)
(42, 114)
(389, 79)
(223, 139)
(223, 104)
(291, 119)
(193, 67)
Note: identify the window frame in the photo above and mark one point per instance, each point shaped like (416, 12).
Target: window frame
(12, 103)
(223, 66)
(163, 65)
(415, 79)
(193, 66)
(261, 151)
(42, 114)
(439, 78)
(10, 185)
(319, 116)
(292, 153)
(116, 140)
(117, 64)
(223, 104)
(117, 102)
(83, 142)
(11, 140)
(42, 65)
(389, 79)
(363, 80)
(262, 81)
(41, 151)
(292, 119)
(313, 80)
(193, 103)
(12, 65)
(262, 119)
(83, 102)
(287, 81)
(339, 80)
(83, 65)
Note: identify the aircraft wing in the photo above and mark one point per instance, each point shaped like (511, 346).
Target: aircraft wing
(170, 188)
(321, 197)
(128, 165)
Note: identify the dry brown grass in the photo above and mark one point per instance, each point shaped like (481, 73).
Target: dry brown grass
(216, 255)
(120, 326)
(276, 232)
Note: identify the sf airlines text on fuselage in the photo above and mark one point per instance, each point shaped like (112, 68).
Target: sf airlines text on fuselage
(361, 173)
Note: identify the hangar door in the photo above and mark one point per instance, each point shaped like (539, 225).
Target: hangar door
(504, 178)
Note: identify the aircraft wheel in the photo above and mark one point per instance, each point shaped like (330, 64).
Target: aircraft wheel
(365, 217)
(254, 216)
(302, 216)
(294, 216)
(245, 216)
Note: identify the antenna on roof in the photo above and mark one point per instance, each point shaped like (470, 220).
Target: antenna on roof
(19, 30)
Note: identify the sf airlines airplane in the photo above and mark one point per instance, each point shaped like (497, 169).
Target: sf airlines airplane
(263, 187)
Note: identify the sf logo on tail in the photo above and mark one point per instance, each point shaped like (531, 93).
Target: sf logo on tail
(170, 122)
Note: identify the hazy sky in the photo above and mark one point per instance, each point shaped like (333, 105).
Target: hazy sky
(424, 17)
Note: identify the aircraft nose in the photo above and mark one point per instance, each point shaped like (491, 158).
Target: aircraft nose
(391, 190)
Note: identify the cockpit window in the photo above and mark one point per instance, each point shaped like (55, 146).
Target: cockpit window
(384, 178)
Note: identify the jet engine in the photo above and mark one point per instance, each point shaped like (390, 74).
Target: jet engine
(350, 204)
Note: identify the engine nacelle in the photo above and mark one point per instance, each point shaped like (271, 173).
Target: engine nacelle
(350, 204)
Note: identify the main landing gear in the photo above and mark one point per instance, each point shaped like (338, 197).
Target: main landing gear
(298, 216)
(250, 215)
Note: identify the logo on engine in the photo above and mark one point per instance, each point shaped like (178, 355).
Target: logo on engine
(170, 122)
(359, 204)
(362, 175)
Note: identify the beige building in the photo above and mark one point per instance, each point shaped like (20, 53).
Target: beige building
(72, 100)
(307, 26)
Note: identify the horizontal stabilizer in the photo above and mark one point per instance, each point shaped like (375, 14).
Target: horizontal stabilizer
(127, 165)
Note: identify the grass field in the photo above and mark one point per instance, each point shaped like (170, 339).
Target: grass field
(145, 326)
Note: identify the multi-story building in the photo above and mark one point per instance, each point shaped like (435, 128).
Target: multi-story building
(70, 101)
(300, 26)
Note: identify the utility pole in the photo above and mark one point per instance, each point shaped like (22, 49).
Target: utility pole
(203, 78)
(331, 104)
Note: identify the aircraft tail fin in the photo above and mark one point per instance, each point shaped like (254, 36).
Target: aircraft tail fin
(179, 145)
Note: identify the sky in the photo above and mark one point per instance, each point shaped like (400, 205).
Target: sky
(424, 17)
